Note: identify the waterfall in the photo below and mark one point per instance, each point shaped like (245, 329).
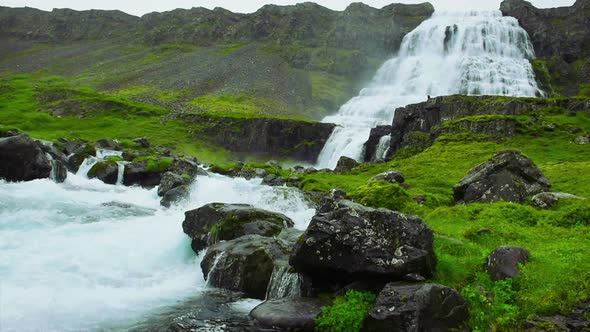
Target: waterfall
(120, 172)
(382, 147)
(283, 283)
(101, 155)
(475, 53)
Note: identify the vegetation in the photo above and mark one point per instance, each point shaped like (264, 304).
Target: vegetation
(346, 313)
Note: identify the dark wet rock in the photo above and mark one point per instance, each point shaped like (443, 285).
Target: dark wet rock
(293, 181)
(371, 146)
(106, 171)
(170, 181)
(8, 133)
(58, 161)
(290, 235)
(138, 173)
(202, 172)
(244, 264)
(392, 176)
(219, 221)
(287, 314)
(507, 176)
(503, 262)
(482, 231)
(185, 165)
(175, 195)
(81, 152)
(260, 173)
(354, 242)
(143, 142)
(345, 164)
(108, 144)
(22, 159)
(417, 307)
(338, 194)
(547, 200)
(274, 180)
(577, 321)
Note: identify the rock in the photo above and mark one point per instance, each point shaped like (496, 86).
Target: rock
(273, 180)
(186, 165)
(106, 171)
(582, 140)
(503, 262)
(417, 307)
(170, 181)
(345, 164)
(260, 173)
(546, 200)
(482, 231)
(507, 176)
(244, 264)
(372, 153)
(287, 314)
(174, 195)
(353, 242)
(143, 142)
(108, 144)
(338, 194)
(420, 199)
(58, 161)
(219, 221)
(274, 164)
(22, 159)
(577, 321)
(137, 173)
(77, 157)
(392, 176)
(293, 181)
(202, 172)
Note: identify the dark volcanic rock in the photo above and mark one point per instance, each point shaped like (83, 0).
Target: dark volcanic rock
(273, 180)
(345, 164)
(287, 314)
(414, 307)
(108, 144)
(22, 159)
(508, 176)
(80, 152)
(503, 262)
(186, 165)
(370, 147)
(244, 264)
(354, 242)
(170, 181)
(546, 200)
(174, 195)
(219, 221)
(58, 161)
(393, 176)
(106, 171)
(138, 173)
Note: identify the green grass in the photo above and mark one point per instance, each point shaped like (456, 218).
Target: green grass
(346, 313)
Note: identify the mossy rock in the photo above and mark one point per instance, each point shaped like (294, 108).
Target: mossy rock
(106, 171)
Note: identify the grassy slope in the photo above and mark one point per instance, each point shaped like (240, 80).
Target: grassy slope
(558, 275)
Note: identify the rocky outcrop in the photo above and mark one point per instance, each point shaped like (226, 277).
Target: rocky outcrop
(503, 262)
(345, 164)
(287, 314)
(175, 195)
(391, 176)
(353, 242)
(275, 138)
(140, 174)
(561, 39)
(417, 307)
(371, 147)
(244, 264)
(22, 159)
(507, 176)
(577, 321)
(216, 222)
(79, 152)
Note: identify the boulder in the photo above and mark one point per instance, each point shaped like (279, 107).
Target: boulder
(354, 242)
(108, 144)
(287, 314)
(507, 176)
(80, 153)
(345, 164)
(22, 159)
(219, 221)
(244, 264)
(106, 171)
(142, 142)
(582, 140)
(138, 173)
(58, 161)
(547, 200)
(174, 195)
(503, 262)
(273, 180)
(417, 307)
(170, 181)
(186, 165)
(392, 176)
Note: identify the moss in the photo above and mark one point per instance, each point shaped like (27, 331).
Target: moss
(346, 313)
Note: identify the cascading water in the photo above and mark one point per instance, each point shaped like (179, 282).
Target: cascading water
(284, 283)
(477, 53)
(86, 256)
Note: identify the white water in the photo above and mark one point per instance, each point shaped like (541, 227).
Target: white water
(69, 263)
(283, 283)
(484, 54)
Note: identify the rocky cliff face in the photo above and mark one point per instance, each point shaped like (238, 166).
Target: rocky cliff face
(562, 42)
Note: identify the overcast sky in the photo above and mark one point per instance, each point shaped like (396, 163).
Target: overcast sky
(140, 7)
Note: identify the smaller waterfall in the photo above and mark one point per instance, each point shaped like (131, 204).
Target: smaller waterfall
(382, 147)
(283, 283)
(120, 172)
(53, 162)
(101, 155)
(214, 273)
